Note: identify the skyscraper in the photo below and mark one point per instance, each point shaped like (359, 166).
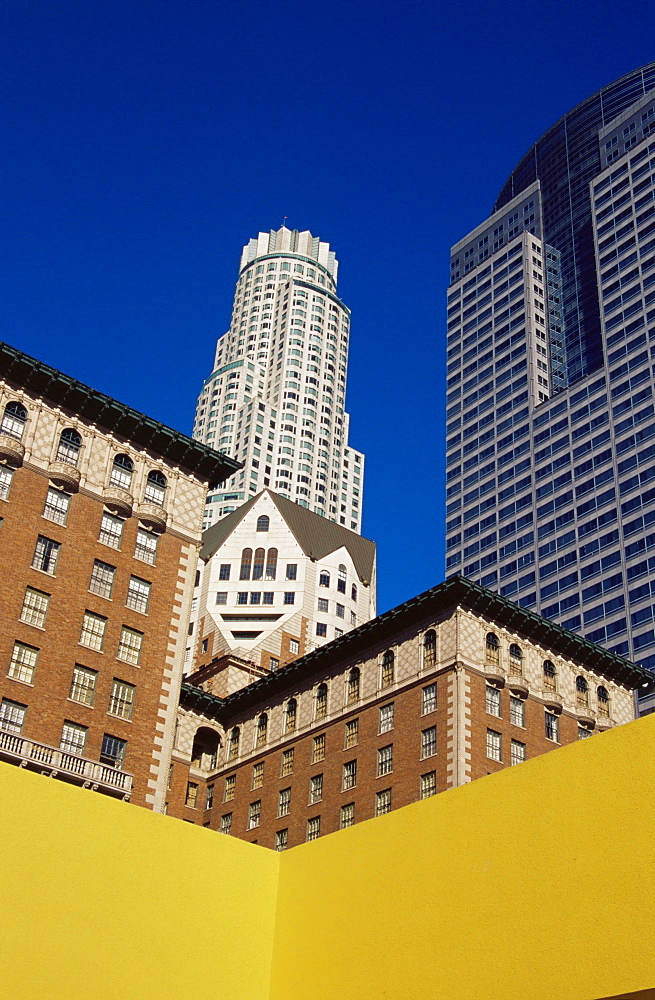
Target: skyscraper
(276, 395)
(551, 382)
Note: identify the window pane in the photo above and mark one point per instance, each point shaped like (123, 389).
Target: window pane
(56, 506)
(146, 546)
(45, 555)
(83, 685)
(113, 751)
(12, 716)
(129, 647)
(121, 700)
(429, 703)
(23, 662)
(102, 579)
(428, 784)
(93, 630)
(138, 595)
(73, 738)
(6, 476)
(35, 607)
(111, 530)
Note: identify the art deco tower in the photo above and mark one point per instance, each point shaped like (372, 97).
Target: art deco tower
(275, 398)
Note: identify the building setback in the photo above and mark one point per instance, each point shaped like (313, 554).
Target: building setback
(551, 379)
(449, 687)
(100, 510)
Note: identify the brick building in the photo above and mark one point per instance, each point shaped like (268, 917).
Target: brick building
(100, 514)
(450, 686)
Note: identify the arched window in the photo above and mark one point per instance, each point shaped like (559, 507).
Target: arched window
(246, 562)
(388, 668)
(271, 564)
(233, 746)
(603, 701)
(324, 579)
(258, 565)
(205, 748)
(430, 648)
(290, 715)
(155, 487)
(121, 472)
(353, 685)
(581, 692)
(353, 592)
(262, 730)
(515, 659)
(263, 522)
(341, 582)
(14, 419)
(70, 443)
(491, 649)
(321, 701)
(550, 676)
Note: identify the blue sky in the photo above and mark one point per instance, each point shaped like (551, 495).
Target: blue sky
(146, 142)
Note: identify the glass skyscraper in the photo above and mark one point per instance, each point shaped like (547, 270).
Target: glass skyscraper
(551, 378)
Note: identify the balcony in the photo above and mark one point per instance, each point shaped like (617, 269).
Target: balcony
(64, 474)
(518, 683)
(68, 766)
(553, 700)
(118, 500)
(585, 715)
(152, 515)
(11, 450)
(604, 722)
(494, 672)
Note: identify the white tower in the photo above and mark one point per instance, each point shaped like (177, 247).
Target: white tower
(275, 399)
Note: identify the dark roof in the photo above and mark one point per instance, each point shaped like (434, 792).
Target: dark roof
(205, 463)
(316, 535)
(454, 592)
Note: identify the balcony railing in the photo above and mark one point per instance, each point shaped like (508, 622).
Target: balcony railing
(60, 764)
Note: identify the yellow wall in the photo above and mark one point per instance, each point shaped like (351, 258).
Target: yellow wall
(535, 882)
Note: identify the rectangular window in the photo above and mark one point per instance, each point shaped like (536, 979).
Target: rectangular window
(224, 571)
(226, 824)
(315, 789)
(516, 711)
(428, 784)
(254, 814)
(428, 742)
(387, 669)
(314, 828)
(83, 685)
(191, 794)
(258, 774)
(352, 734)
(341, 611)
(318, 748)
(321, 628)
(493, 700)
(494, 745)
(284, 802)
(93, 630)
(102, 578)
(45, 555)
(12, 716)
(221, 597)
(294, 646)
(111, 530)
(584, 733)
(281, 840)
(121, 699)
(23, 662)
(146, 546)
(6, 476)
(230, 787)
(292, 571)
(383, 802)
(429, 699)
(347, 816)
(242, 597)
(552, 727)
(385, 760)
(386, 718)
(209, 797)
(129, 646)
(73, 738)
(349, 775)
(113, 751)
(323, 605)
(518, 754)
(287, 762)
(35, 607)
(56, 506)
(138, 595)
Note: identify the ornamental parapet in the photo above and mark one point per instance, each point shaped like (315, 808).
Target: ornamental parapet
(64, 474)
(11, 450)
(152, 515)
(61, 764)
(118, 500)
(518, 683)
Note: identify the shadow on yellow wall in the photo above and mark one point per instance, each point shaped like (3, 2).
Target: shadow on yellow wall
(538, 881)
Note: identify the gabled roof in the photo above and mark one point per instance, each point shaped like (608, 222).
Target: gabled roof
(455, 592)
(316, 535)
(206, 464)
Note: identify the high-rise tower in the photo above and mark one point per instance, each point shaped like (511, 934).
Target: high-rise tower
(275, 398)
(551, 378)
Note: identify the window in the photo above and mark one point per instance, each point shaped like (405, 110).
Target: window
(388, 668)
(224, 571)
(315, 789)
(286, 766)
(349, 775)
(233, 744)
(93, 631)
(242, 597)
(45, 555)
(258, 774)
(289, 597)
(102, 578)
(14, 419)
(121, 699)
(294, 646)
(121, 472)
(353, 686)
(155, 491)
(516, 711)
(321, 629)
(35, 607)
(111, 530)
(429, 649)
(341, 580)
(73, 738)
(271, 564)
(383, 802)
(494, 745)
(386, 718)
(428, 742)
(83, 685)
(56, 506)
(113, 751)
(321, 701)
(12, 716)
(353, 592)
(515, 659)
(341, 611)
(70, 443)
(226, 824)
(385, 760)
(347, 816)
(428, 785)
(313, 828)
(583, 732)
(281, 840)
(263, 522)
(230, 787)
(191, 794)
(290, 715)
(138, 595)
(292, 571)
(246, 564)
(324, 579)
(429, 699)
(351, 737)
(603, 702)
(552, 727)
(254, 814)
(493, 700)
(491, 652)
(323, 605)
(129, 645)
(318, 748)
(550, 677)
(581, 692)
(209, 797)
(146, 546)
(261, 733)
(518, 753)
(23, 662)
(6, 476)
(258, 564)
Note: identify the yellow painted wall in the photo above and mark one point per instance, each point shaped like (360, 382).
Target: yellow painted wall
(535, 882)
